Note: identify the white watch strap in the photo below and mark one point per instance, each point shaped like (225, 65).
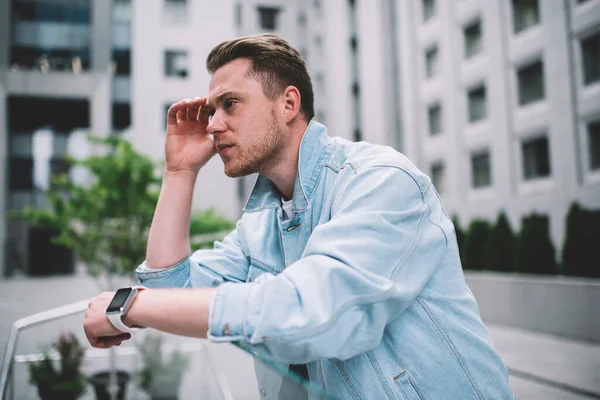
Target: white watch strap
(115, 320)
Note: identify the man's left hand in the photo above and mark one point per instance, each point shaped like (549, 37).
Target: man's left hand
(98, 329)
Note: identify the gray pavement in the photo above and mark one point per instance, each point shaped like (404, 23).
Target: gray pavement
(540, 366)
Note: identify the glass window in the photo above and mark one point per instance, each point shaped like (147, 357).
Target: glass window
(437, 176)
(480, 169)
(473, 39)
(122, 62)
(428, 9)
(590, 49)
(121, 116)
(268, 17)
(525, 14)
(594, 144)
(477, 102)
(175, 11)
(536, 158)
(176, 63)
(435, 119)
(121, 11)
(531, 83)
(431, 62)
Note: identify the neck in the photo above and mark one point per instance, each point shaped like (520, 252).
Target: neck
(283, 174)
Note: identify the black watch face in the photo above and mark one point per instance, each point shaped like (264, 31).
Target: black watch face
(119, 300)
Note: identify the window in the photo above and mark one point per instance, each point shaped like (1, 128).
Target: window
(480, 169)
(268, 17)
(428, 9)
(176, 63)
(536, 158)
(531, 83)
(437, 176)
(175, 11)
(122, 62)
(431, 62)
(473, 39)
(435, 119)
(594, 144)
(477, 104)
(121, 116)
(121, 11)
(590, 49)
(525, 14)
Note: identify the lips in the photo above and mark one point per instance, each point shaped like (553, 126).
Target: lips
(223, 146)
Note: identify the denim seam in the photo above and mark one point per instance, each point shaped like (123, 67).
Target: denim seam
(263, 266)
(433, 223)
(410, 382)
(318, 179)
(453, 348)
(349, 382)
(379, 373)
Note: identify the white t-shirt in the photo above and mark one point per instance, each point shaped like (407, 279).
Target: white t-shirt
(287, 210)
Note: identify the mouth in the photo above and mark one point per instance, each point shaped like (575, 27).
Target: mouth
(223, 148)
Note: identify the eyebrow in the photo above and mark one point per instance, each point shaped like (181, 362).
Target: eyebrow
(219, 98)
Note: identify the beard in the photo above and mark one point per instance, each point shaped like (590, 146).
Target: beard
(260, 154)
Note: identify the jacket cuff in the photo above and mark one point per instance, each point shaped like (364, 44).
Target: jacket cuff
(176, 275)
(228, 313)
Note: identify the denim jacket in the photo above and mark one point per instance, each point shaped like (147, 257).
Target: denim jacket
(364, 284)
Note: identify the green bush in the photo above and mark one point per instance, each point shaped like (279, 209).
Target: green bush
(475, 245)
(501, 247)
(460, 237)
(581, 252)
(207, 222)
(535, 252)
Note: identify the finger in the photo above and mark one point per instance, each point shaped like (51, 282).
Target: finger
(192, 113)
(181, 115)
(172, 113)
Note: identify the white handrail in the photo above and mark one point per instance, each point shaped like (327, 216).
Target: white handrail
(65, 311)
(29, 321)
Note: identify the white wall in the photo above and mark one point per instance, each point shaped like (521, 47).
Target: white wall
(561, 115)
(208, 24)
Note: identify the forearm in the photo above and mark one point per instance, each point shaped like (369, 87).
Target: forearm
(177, 311)
(169, 237)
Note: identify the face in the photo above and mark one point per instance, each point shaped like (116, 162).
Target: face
(244, 121)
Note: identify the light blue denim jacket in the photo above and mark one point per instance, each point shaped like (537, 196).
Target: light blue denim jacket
(364, 285)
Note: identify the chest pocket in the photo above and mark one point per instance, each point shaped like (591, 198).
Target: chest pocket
(257, 269)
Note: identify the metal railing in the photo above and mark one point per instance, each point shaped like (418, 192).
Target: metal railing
(67, 310)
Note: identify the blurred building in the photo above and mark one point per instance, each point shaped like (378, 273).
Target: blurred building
(501, 104)
(498, 101)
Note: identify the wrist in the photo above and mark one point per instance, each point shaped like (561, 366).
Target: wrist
(180, 173)
(132, 317)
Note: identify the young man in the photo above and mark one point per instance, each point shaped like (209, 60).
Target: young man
(344, 259)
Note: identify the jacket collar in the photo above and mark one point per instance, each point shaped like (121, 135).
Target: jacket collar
(315, 149)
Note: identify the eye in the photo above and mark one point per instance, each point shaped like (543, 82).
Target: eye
(229, 104)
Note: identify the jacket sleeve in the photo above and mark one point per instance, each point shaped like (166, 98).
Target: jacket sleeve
(359, 271)
(226, 262)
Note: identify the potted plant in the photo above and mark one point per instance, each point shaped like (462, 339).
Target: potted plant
(160, 376)
(104, 219)
(66, 382)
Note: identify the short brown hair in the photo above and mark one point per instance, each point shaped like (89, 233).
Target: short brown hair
(275, 64)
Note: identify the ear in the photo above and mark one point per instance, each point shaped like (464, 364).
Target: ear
(291, 103)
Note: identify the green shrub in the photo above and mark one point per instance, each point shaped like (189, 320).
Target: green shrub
(475, 245)
(501, 247)
(460, 237)
(581, 252)
(535, 252)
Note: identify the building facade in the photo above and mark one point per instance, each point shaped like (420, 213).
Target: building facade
(498, 101)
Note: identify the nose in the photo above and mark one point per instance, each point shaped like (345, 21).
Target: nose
(216, 124)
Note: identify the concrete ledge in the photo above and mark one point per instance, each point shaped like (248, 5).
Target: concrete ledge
(554, 305)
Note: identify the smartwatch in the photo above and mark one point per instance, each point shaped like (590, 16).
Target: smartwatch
(119, 306)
